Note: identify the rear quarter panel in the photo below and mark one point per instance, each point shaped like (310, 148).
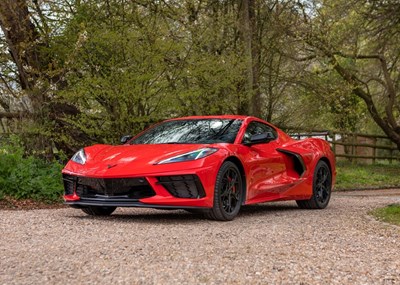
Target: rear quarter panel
(312, 150)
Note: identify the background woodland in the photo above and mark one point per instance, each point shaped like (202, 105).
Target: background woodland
(75, 72)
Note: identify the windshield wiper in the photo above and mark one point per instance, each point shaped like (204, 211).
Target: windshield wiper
(221, 131)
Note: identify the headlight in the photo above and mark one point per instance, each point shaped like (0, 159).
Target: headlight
(79, 157)
(193, 155)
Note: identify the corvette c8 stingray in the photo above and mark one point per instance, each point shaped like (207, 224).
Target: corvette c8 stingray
(209, 164)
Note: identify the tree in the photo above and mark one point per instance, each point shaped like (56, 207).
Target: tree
(89, 71)
(359, 41)
(37, 70)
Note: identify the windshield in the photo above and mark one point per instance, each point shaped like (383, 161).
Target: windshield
(202, 131)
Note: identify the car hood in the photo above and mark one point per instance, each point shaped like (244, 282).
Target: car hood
(122, 160)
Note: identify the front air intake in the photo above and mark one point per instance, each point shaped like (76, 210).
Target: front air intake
(183, 186)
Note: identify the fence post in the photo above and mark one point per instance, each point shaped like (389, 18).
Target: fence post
(354, 148)
(374, 150)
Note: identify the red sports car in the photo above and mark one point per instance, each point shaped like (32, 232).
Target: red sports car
(209, 164)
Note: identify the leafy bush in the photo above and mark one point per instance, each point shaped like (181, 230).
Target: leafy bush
(28, 177)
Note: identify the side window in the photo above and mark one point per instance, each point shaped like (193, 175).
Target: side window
(256, 128)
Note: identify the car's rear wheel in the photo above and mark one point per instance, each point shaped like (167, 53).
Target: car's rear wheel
(322, 187)
(228, 193)
(98, 210)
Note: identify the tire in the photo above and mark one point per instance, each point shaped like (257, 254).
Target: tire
(322, 188)
(98, 210)
(228, 193)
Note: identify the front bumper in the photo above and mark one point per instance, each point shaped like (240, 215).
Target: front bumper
(172, 191)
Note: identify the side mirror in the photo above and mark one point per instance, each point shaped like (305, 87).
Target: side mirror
(261, 138)
(125, 139)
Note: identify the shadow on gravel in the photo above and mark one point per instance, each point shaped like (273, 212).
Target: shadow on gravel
(181, 216)
(155, 217)
(267, 209)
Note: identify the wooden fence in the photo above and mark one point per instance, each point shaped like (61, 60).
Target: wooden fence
(356, 147)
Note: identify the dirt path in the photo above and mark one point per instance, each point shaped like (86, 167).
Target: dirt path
(273, 243)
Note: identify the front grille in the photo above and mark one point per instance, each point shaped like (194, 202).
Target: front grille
(129, 188)
(183, 186)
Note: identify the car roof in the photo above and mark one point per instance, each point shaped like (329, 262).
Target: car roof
(239, 117)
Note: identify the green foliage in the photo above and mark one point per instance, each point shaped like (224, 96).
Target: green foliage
(112, 67)
(389, 214)
(132, 65)
(28, 177)
(359, 176)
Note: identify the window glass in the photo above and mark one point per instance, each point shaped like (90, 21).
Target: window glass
(201, 131)
(256, 128)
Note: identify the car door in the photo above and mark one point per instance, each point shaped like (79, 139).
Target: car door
(265, 164)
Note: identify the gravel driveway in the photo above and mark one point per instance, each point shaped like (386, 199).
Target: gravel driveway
(274, 243)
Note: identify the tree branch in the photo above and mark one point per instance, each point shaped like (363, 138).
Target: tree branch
(10, 115)
(359, 56)
(352, 79)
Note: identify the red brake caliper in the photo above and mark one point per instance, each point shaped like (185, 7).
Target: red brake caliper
(234, 187)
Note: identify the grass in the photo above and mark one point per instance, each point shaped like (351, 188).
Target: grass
(389, 214)
(359, 176)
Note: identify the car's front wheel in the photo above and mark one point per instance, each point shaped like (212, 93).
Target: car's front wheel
(98, 210)
(322, 187)
(228, 193)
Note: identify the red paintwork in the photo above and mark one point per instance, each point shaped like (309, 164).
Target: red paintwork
(269, 173)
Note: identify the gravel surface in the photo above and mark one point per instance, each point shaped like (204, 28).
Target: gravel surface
(273, 243)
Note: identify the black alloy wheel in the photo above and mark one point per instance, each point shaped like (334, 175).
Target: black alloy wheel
(322, 188)
(228, 193)
(98, 210)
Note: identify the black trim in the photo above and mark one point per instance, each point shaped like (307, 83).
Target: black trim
(299, 165)
(85, 203)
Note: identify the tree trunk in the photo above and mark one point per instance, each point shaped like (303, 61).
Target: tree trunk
(23, 40)
(26, 47)
(252, 54)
